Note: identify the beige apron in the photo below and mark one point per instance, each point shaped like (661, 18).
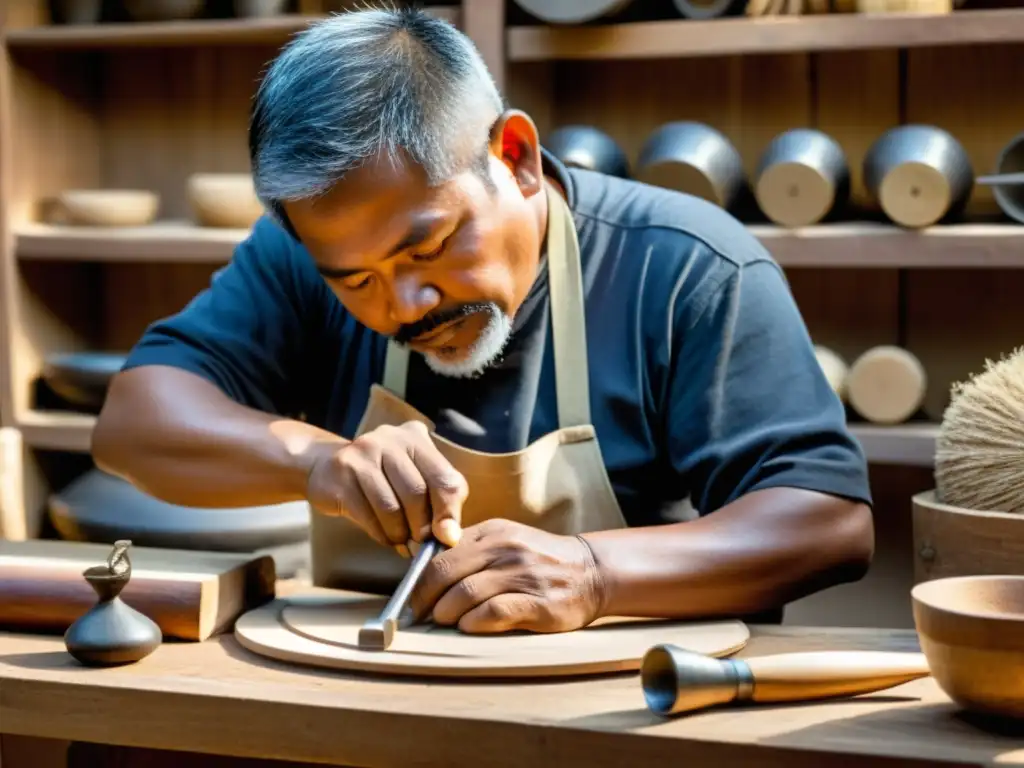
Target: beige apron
(557, 483)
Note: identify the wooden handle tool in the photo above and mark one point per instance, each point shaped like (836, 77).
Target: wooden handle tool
(377, 634)
(675, 680)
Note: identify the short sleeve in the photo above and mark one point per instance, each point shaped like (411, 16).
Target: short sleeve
(749, 407)
(247, 330)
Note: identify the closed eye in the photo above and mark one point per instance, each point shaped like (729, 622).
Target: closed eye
(434, 254)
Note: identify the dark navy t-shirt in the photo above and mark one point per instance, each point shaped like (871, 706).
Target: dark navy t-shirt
(703, 380)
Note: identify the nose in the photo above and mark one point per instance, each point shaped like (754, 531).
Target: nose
(412, 299)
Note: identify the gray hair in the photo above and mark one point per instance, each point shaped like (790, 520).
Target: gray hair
(377, 83)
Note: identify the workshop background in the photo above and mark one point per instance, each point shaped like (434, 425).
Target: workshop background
(856, 138)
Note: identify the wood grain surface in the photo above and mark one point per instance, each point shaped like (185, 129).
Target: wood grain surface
(320, 628)
(216, 698)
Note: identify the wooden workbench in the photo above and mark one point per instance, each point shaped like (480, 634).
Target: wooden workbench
(216, 698)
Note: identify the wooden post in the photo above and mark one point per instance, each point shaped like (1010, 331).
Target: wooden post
(484, 22)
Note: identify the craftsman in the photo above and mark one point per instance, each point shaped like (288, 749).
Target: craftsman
(405, 341)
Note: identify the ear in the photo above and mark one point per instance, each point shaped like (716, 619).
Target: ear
(515, 141)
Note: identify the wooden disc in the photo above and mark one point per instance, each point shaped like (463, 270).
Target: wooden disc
(794, 194)
(886, 385)
(321, 629)
(915, 194)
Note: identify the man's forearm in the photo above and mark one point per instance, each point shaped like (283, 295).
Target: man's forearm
(179, 438)
(763, 550)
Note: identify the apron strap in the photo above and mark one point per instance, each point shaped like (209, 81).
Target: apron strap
(568, 323)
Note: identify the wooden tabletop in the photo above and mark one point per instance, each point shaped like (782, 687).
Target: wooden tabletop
(217, 698)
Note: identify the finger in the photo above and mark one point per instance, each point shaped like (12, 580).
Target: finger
(355, 507)
(410, 487)
(465, 595)
(503, 613)
(447, 488)
(383, 502)
(445, 571)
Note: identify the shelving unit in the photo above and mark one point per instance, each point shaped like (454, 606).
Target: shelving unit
(145, 105)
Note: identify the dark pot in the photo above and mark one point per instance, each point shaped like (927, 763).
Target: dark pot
(583, 146)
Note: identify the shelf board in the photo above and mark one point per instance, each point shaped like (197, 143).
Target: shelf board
(907, 444)
(57, 430)
(978, 246)
(778, 34)
(273, 30)
(172, 242)
(973, 246)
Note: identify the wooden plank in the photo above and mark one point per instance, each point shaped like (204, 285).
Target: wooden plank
(215, 698)
(778, 34)
(172, 242)
(271, 30)
(483, 21)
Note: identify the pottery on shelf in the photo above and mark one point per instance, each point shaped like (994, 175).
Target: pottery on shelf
(107, 207)
(112, 633)
(584, 146)
(259, 8)
(82, 378)
(76, 11)
(224, 200)
(162, 10)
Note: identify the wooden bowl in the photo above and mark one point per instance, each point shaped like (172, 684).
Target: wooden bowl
(971, 630)
(107, 207)
(224, 200)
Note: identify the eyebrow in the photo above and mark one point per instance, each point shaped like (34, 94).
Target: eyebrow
(420, 230)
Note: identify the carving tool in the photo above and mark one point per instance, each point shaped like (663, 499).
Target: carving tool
(377, 634)
(675, 680)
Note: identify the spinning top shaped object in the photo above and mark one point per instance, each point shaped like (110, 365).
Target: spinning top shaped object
(112, 633)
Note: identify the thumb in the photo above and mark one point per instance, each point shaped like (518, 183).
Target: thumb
(446, 505)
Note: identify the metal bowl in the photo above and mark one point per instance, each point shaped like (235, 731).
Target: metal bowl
(583, 146)
(571, 11)
(801, 177)
(919, 174)
(82, 378)
(693, 158)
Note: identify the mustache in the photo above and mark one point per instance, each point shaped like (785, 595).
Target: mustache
(407, 333)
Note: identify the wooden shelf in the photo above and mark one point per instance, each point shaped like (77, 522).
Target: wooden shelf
(179, 242)
(780, 34)
(836, 245)
(907, 444)
(57, 430)
(274, 30)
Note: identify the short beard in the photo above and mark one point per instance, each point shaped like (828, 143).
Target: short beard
(484, 352)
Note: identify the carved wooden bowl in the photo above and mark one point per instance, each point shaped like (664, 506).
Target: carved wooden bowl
(971, 630)
(224, 200)
(107, 207)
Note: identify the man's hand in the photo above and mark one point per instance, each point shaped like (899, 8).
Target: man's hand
(504, 576)
(394, 484)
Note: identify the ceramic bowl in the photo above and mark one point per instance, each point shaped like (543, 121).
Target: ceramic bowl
(82, 378)
(971, 630)
(108, 207)
(224, 200)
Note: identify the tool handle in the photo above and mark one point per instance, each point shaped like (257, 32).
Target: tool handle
(825, 674)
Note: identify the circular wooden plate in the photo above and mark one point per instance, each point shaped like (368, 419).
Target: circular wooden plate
(321, 629)
(794, 194)
(915, 194)
(886, 385)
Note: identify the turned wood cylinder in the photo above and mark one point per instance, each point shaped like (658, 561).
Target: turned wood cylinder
(919, 174)
(801, 177)
(835, 369)
(693, 158)
(886, 385)
(571, 11)
(583, 146)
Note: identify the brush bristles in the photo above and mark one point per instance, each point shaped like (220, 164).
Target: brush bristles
(979, 459)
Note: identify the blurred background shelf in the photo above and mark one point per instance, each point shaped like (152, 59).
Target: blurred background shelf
(779, 34)
(272, 30)
(905, 444)
(846, 245)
